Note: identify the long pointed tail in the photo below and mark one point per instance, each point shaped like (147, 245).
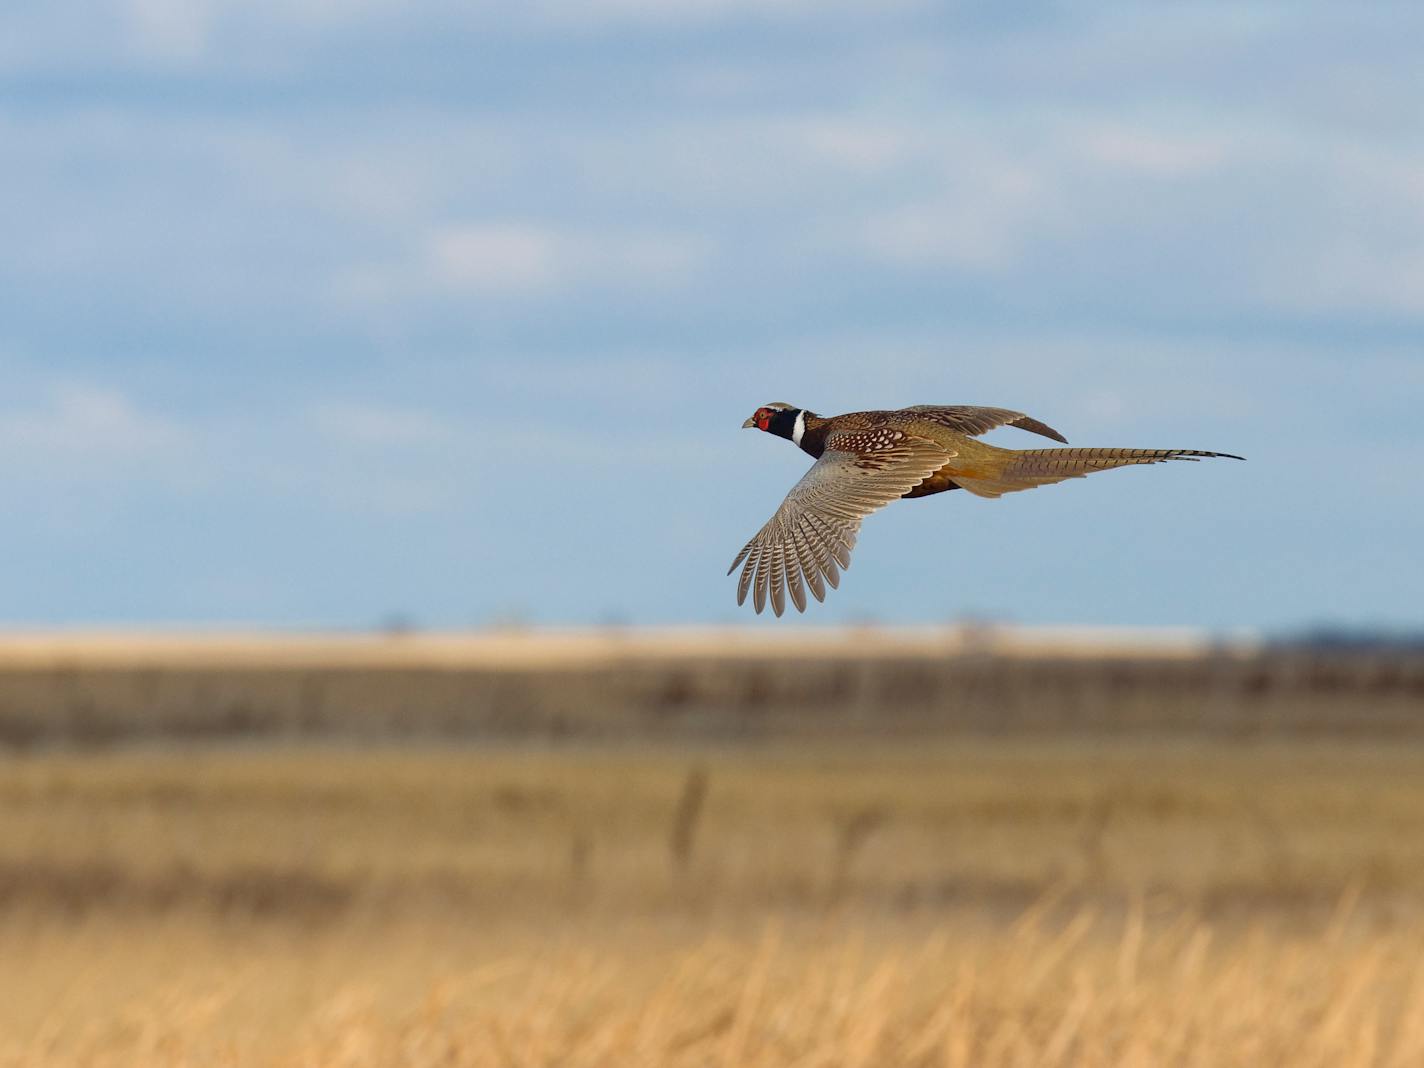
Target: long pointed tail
(1028, 468)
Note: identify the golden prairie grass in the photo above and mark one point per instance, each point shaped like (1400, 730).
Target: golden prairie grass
(1072, 988)
(979, 904)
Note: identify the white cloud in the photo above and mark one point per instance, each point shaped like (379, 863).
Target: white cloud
(1353, 240)
(863, 146)
(257, 35)
(982, 222)
(357, 455)
(498, 257)
(1347, 275)
(73, 449)
(504, 259)
(86, 424)
(171, 29)
(1152, 151)
(379, 426)
(517, 257)
(603, 12)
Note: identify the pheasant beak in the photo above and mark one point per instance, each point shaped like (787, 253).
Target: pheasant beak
(749, 423)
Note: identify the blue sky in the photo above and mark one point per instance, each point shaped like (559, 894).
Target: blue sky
(314, 313)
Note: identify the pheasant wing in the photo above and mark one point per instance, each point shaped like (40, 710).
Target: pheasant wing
(967, 419)
(809, 539)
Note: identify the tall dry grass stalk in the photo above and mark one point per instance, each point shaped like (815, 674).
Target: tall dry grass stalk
(686, 817)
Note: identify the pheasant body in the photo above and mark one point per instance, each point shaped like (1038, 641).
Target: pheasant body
(865, 460)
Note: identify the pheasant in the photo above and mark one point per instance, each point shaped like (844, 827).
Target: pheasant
(865, 460)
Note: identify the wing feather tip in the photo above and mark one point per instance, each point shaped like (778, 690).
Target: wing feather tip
(798, 598)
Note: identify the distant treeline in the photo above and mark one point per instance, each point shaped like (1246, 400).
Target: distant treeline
(1359, 639)
(723, 698)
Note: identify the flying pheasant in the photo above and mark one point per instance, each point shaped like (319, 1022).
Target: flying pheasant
(865, 460)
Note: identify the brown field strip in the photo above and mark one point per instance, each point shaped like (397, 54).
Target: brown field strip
(732, 686)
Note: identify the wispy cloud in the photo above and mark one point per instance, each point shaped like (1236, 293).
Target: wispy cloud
(371, 425)
(982, 223)
(1154, 151)
(74, 427)
(702, 12)
(519, 259)
(171, 29)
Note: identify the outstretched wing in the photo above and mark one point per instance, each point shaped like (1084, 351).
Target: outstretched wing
(967, 419)
(812, 533)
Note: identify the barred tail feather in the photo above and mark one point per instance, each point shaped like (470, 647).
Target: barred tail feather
(1029, 468)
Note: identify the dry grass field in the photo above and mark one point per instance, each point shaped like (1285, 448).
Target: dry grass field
(964, 901)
